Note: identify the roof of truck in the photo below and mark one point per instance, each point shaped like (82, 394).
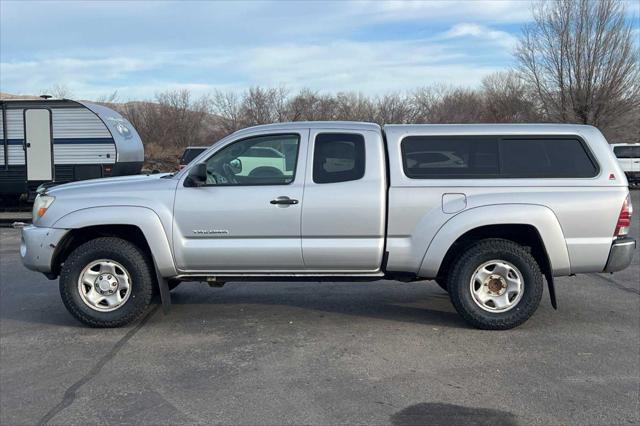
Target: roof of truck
(344, 125)
(427, 128)
(488, 129)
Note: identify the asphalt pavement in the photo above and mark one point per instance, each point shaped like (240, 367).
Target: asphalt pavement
(320, 353)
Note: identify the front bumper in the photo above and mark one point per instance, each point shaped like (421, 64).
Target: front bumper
(621, 254)
(38, 246)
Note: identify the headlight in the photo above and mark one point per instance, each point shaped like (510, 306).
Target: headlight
(40, 205)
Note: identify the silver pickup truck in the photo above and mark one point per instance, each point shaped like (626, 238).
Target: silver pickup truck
(487, 211)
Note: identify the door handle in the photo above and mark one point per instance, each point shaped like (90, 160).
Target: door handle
(284, 201)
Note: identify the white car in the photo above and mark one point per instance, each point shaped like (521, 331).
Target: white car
(628, 155)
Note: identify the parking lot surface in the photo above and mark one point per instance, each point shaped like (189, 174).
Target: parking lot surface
(320, 353)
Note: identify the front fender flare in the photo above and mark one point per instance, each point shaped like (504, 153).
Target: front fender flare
(142, 217)
(540, 217)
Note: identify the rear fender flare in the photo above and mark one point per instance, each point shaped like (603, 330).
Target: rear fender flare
(540, 217)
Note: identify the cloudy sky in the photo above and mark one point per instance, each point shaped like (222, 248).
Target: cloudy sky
(140, 48)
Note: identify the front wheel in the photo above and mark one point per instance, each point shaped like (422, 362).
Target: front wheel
(106, 282)
(495, 285)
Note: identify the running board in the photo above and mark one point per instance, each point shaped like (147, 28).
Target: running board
(279, 277)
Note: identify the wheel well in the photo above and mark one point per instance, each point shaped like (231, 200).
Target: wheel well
(525, 235)
(76, 237)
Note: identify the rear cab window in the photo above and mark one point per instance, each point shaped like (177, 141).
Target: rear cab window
(486, 157)
(338, 157)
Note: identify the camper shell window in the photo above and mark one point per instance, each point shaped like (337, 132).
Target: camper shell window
(487, 157)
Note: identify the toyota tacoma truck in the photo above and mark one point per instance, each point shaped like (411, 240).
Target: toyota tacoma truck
(490, 212)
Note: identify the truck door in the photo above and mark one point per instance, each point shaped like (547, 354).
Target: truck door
(343, 215)
(37, 130)
(247, 216)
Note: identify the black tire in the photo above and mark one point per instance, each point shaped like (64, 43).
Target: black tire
(123, 252)
(442, 282)
(464, 268)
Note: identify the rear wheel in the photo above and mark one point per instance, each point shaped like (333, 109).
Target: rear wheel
(106, 282)
(495, 285)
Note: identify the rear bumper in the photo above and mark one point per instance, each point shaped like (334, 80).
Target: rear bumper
(620, 255)
(38, 246)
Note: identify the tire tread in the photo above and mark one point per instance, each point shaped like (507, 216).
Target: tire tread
(512, 318)
(73, 265)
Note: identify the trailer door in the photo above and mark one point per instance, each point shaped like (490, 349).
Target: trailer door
(37, 125)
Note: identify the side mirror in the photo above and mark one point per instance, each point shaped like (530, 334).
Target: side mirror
(236, 166)
(197, 175)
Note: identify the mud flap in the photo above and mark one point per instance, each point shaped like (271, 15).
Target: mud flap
(552, 290)
(165, 294)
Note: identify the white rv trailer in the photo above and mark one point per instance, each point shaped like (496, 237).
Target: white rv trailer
(60, 140)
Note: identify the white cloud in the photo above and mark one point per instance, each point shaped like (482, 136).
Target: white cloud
(372, 67)
(139, 48)
(466, 30)
(490, 11)
(32, 76)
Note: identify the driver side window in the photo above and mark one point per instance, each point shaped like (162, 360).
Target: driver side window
(260, 160)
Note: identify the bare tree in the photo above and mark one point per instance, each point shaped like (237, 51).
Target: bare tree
(168, 124)
(441, 104)
(581, 60)
(423, 101)
(226, 106)
(180, 117)
(348, 106)
(392, 108)
(507, 99)
(303, 106)
(59, 91)
(262, 106)
(108, 99)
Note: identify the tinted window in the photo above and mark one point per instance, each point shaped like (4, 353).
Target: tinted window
(449, 157)
(627, 151)
(338, 157)
(468, 157)
(546, 158)
(261, 160)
